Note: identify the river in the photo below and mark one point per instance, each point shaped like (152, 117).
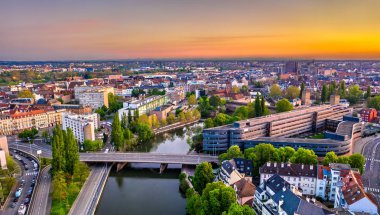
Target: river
(140, 190)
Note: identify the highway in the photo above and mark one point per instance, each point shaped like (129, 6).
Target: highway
(40, 200)
(371, 175)
(91, 191)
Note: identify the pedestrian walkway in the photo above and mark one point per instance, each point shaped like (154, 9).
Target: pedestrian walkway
(371, 159)
(31, 173)
(374, 190)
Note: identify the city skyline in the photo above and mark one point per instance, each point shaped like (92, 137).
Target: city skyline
(94, 30)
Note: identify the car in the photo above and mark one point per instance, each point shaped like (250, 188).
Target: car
(15, 200)
(22, 209)
(26, 201)
(13, 205)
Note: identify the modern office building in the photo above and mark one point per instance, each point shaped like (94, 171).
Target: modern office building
(95, 97)
(284, 129)
(144, 106)
(83, 126)
(19, 121)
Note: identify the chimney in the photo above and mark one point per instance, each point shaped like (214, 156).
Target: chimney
(275, 164)
(282, 165)
(302, 166)
(311, 167)
(268, 164)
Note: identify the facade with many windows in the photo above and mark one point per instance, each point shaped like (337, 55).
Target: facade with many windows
(83, 126)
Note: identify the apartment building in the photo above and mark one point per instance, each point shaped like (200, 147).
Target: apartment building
(83, 126)
(19, 121)
(231, 171)
(302, 176)
(144, 106)
(95, 97)
(282, 128)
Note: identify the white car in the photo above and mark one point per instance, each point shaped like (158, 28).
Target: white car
(22, 209)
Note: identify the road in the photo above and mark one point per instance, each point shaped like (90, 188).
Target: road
(41, 195)
(90, 193)
(27, 176)
(371, 175)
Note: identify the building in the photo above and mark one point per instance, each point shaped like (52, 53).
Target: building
(13, 123)
(368, 115)
(95, 97)
(328, 177)
(144, 106)
(302, 176)
(334, 99)
(3, 152)
(352, 196)
(275, 196)
(245, 191)
(291, 67)
(306, 97)
(235, 169)
(83, 126)
(282, 129)
(76, 109)
(162, 111)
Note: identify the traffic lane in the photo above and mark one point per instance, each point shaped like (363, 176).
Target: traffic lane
(40, 201)
(27, 177)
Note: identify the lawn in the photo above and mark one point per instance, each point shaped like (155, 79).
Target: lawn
(317, 136)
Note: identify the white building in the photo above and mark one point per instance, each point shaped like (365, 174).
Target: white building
(144, 106)
(328, 177)
(95, 97)
(302, 176)
(83, 126)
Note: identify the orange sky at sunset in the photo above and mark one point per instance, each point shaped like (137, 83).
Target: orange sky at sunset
(322, 29)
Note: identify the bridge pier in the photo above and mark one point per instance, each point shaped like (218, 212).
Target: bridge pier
(120, 166)
(163, 166)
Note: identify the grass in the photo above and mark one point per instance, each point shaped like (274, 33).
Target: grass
(317, 136)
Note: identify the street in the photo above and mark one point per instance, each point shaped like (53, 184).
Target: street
(371, 175)
(40, 201)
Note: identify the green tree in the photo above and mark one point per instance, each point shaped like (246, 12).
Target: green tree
(275, 91)
(264, 108)
(124, 121)
(72, 153)
(81, 171)
(304, 156)
(236, 209)
(181, 117)
(368, 93)
(292, 92)
(354, 94)
(374, 102)
(58, 149)
(260, 154)
(170, 119)
(344, 159)
(258, 110)
(283, 154)
(202, 176)
(145, 133)
(235, 89)
(189, 116)
(193, 202)
(215, 101)
(196, 114)
(324, 94)
(232, 152)
(46, 135)
(117, 136)
(155, 122)
(29, 135)
(217, 198)
(241, 112)
(330, 157)
(357, 161)
(129, 116)
(59, 186)
(283, 106)
(25, 94)
(302, 89)
(136, 114)
(90, 145)
(208, 123)
(342, 89)
(192, 100)
(244, 88)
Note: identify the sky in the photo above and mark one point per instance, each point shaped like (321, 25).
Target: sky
(130, 29)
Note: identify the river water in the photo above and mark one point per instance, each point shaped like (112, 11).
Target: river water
(140, 190)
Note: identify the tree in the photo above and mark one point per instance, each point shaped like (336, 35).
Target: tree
(275, 91)
(258, 110)
(193, 202)
(155, 122)
(343, 159)
(354, 94)
(127, 134)
(236, 209)
(283, 106)
(235, 89)
(357, 161)
(215, 101)
(342, 89)
(232, 152)
(29, 135)
(81, 171)
(90, 145)
(46, 135)
(260, 154)
(217, 198)
(181, 117)
(368, 93)
(241, 112)
(136, 114)
(188, 116)
(244, 88)
(283, 154)
(171, 118)
(117, 137)
(196, 114)
(209, 123)
(302, 89)
(374, 102)
(25, 94)
(59, 186)
(145, 133)
(304, 156)
(58, 161)
(292, 92)
(192, 100)
(72, 153)
(324, 94)
(264, 108)
(330, 157)
(124, 121)
(202, 176)
(129, 116)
